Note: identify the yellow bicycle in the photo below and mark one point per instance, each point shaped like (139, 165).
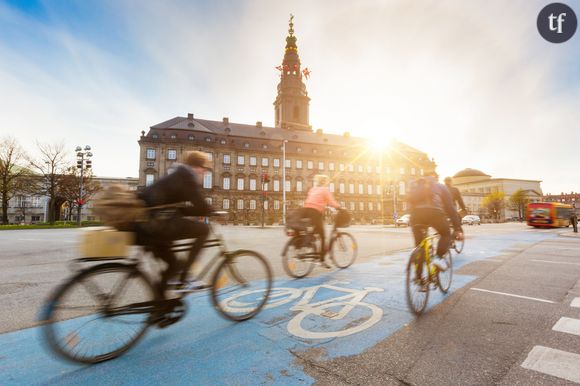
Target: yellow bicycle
(422, 274)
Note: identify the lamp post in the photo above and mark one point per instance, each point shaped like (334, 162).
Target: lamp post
(284, 181)
(265, 178)
(83, 162)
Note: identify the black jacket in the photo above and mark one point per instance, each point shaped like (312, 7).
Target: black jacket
(456, 197)
(178, 187)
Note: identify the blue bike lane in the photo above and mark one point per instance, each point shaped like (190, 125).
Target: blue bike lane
(204, 348)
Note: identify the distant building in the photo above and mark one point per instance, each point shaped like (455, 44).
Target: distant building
(372, 185)
(475, 185)
(32, 209)
(572, 198)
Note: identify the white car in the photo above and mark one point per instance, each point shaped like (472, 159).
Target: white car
(403, 220)
(471, 219)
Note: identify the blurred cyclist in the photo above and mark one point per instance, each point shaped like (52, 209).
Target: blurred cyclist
(317, 199)
(183, 185)
(431, 205)
(456, 197)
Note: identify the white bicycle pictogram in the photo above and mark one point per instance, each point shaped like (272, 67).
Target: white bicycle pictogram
(348, 302)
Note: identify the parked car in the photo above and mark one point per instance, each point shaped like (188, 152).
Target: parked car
(471, 219)
(403, 220)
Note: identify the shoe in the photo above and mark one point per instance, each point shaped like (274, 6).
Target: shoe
(440, 264)
(190, 286)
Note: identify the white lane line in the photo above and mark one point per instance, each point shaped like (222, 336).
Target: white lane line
(493, 260)
(555, 262)
(568, 325)
(575, 302)
(512, 295)
(554, 362)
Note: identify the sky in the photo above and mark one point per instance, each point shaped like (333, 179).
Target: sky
(471, 83)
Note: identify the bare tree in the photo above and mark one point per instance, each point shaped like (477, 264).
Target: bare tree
(69, 189)
(51, 166)
(12, 169)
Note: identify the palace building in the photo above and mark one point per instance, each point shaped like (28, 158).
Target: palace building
(252, 164)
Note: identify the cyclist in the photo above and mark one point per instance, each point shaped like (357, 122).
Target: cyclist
(456, 197)
(431, 205)
(183, 185)
(317, 199)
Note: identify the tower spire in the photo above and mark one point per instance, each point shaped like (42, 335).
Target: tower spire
(292, 102)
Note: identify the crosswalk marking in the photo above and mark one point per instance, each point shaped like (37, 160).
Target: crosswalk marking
(568, 325)
(575, 302)
(554, 362)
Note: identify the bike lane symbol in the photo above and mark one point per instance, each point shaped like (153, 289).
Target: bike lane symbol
(320, 314)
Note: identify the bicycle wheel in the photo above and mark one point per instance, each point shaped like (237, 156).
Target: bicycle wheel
(343, 250)
(444, 278)
(417, 282)
(298, 257)
(458, 245)
(241, 285)
(89, 319)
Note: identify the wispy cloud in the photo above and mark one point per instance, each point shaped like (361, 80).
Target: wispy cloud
(472, 84)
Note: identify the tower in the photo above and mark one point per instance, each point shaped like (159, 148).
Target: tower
(292, 102)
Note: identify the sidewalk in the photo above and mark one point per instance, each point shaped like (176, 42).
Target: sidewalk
(570, 233)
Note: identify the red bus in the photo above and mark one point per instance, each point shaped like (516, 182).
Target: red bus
(548, 214)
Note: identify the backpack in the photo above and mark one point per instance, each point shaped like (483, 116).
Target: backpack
(421, 193)
(119, 207)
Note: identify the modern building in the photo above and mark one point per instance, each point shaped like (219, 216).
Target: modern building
(253, 164)
(475, 185)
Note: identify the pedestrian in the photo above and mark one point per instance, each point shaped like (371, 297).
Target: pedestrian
(574, 221)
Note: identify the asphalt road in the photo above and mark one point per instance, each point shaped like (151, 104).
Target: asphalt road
(511, 306)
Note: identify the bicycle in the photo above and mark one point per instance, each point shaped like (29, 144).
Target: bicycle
(457, 245)
(301, 252)
(421, 274)
(331, 308)
(102, 311)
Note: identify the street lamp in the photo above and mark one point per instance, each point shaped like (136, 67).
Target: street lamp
(83, 162)
(284, 181)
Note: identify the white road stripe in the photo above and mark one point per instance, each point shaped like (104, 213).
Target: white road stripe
(493, 260)
(512, 295)
(555, 262)
(554, 362)
(568, 325)
(575, 302)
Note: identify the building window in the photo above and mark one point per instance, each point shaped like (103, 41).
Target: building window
(361, 189)
(209, 156)
(240, 204)
(241, 160)
(226, 203)
(252, 184)
(264, 146)
(173, 136)
(361, 206)
(209, 200)
(253, 204)
(266, 205)
(351, 168)
(149, 178)
(331, 187)
(402, 188)
(172, 154)
(360, 169)
(298, 186)
(371, 206)
(276, 185)
(207, 139)
(341, 187)
(150, 153)
(298, 164)
(190, 137)
(299, 149)
(246, 145)
(413, 171)
(369, 189)
(35, 219)
(378, 189)
(276, 162)
(351, 188)
(223, 141)
(207, 177)
(402, 170)
(422, 172)
(287, 185)
(150, 164)
(276, 205)
(227, 159)
(253, 161)
(226, 183)
(240, 184)
(265, 162)
(288, 164)
(341, 167)
(331, 166)
(155, 136)
(310, 165)
(320, 165)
